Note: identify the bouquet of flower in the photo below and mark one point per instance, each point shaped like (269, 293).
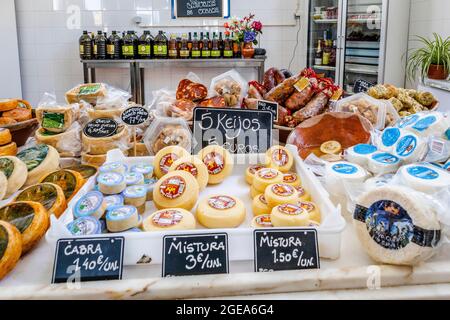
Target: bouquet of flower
(245, 29)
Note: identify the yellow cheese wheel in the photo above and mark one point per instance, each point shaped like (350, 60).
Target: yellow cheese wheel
(30, 218)
(95, 160)
(260, 206)
(8, 104)
(303, 194)
(50, 195)
(69, 181)
(280, 193)
(3, 185)
(194, 166)
(166, 157)
(265, 177)
(9, 149)
(102, 145)
(262, 222)
(253, 192)
(15, 171)
(221, 211)
(40, 160)
(280, 158)
(177, 189)
(250, 172)
(5, 136)
(292, 179)
(312, 209)
(10, 247)
(170, 219)
(289, 215)
(219, 163)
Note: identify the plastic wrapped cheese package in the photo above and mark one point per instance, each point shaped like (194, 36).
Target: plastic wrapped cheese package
(430, 123)
(411, 148)
(360, 154)
(424, 177)
(382, 163)
(231, 86)
(101, 145)
(55, 117)
(68, 143)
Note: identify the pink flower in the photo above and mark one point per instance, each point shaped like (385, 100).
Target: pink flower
(257, 26)
(226, 25)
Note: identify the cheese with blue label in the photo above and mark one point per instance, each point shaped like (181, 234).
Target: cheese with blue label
(447, 166)
(338, 172)
(360, 154)
(85, 226)
(383, 163)
(133, 178)
(122, 218)
(150, 184)
(410, 148)
(136, 196)
(91, 204)
(424, 178)
(430, 124)
(145, 169)
(114, 200)
(114, 167)
(111, 183)
(389, 138)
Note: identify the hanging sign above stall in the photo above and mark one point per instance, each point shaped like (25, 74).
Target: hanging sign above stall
(200, 8)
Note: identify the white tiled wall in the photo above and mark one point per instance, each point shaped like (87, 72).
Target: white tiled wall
(49, 30)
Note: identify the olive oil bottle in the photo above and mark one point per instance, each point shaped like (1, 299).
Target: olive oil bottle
(195, 51)
(100, 46)
(113, 47)
(160, 46)
(86, 46)
(128, 46)
(145, 45)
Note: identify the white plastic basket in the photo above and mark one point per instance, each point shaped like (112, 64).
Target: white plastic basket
(149, 245)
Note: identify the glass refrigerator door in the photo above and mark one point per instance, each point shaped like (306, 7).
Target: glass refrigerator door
(324, 28)
(364, 42)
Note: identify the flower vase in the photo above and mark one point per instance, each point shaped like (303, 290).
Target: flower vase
(248, 51)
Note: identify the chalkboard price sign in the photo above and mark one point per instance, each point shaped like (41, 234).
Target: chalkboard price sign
(199, 8)
(94, 259)
(135, 116)
(239, 131)
(362, 86)
(187, 255)
(101, 128)
(269, 106)
(277, 250)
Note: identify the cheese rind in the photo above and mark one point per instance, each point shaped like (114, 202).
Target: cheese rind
(5, 136)
(100, 146)
(250, 172)
(69, 181)
(166, 157)
(85, 226)
(169, 219)
(135, 196)
(303, 194)
(122, 218)
(289, 215)
(50, 195)
(57, 118)
(260, 206)
(265, 177)
(143, 168)
(95, 160)
(92, 204)
(262, 222)
(194, 166)
(10, 247)
(312, 209)
(219, 163)
(134, 178)
(118, 167)
(111, 183)
(9, 149)
(221, 211)
(424, 178)
(178, 189)
(15, 171)
(40, 160)
(279, 193)
(383, 163)
(292, 179)
(279, 158)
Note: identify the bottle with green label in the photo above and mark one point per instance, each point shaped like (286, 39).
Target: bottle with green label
(160, 50)
(113, 46)
(145, 45)
(206, 52)
(227, 48)
(173, 47)
(100, 46)
(128, 46)
(195, 51)
(184, 49)
(215, 49)
(86, 45)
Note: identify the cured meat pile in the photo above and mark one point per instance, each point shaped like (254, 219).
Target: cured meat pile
(299, 97)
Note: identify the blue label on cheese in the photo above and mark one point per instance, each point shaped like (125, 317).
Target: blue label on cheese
(390, 136)
(113, 201)
(410, 120)
(113, 167)
(344, 168)
(385, 158)
(424, 123)
(84, 226)
(110, 178)
(88, 204)
(121, 213)
(364, 149)
(406, 146)
(135, 192)
(145, 169)
(134, 178)
(422, 172)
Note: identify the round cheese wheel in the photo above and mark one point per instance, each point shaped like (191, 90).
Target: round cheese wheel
(40, 160)
(280, 193)
(289, 215)
(9, 149)
(166, 157)
(292, 179)
(396, 226)
(220, 211)
(408, 121)
(113, 201)
(338, 172)
(150, 184)
(331, 147)
(5, 136)
(424, 178)
(85, 226)
(134, 178)
(66, 143)
(50, 195)
(177, 189)
(250, 172)
(69, 181)
(254, 192)
(170, 219)
(3, 185)
(85, 170)
(135, 196)
(92, 204)
(382, 163)
(194, 166)
(431, 124)
(118, 167)
(111, 183)
(95, 160)
(260, 206)
(122, 218)
(30, 218)
(279, 158)
(99, 146)
(18, 114)
(311, 208)
(389, 138)
(262, 222)
(10, 247)
(15, 171)
(410, 148)
(219, 163)
(143, 168)
(8, 104)
(303, 194)
(265, 177)
(377, 182)
(360, 154)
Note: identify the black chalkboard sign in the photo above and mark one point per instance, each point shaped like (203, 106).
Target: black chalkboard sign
(88, 259)
(271, 106)
(101, 128)
(135, 116)
(277, 250)
(187, 255)
(199, 8)
(362, 86)
(237, 130)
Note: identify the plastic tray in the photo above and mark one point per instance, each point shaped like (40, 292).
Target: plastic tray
(146, 244)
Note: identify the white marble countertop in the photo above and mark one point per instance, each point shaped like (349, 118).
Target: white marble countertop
(353, 276)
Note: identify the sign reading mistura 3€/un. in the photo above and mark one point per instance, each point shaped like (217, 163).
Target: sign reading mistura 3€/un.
(200, 8)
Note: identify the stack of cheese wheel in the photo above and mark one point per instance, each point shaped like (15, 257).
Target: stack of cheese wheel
(279, 200)
(7, 146)
(55, 128)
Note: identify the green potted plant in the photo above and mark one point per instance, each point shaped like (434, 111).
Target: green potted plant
(432, 59)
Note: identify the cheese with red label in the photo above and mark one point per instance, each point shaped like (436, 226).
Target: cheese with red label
(260, 206)
(312, 209)
(280, 158)
(178, 189)
(265, 177)
(166, 157)
(170, 219)
(280, 193)
(194, 166)
(292, 179)
(262, 222)
(219, 163)
(221, 211)
(289, 215)
(250, 172)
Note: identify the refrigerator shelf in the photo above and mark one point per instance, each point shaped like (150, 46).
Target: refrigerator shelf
(362, 69)
(325, 68)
